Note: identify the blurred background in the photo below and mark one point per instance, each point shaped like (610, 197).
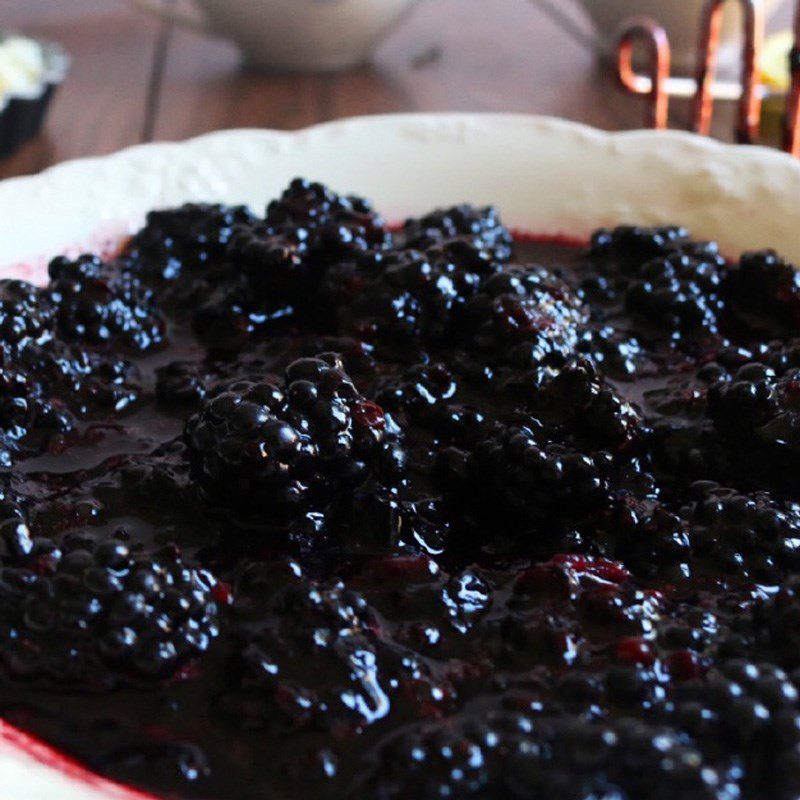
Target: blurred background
(136, 76)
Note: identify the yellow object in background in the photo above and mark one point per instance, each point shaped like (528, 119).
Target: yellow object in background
(775, 61)
(776, 76)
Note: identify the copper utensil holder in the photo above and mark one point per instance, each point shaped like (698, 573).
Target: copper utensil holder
(703, 89)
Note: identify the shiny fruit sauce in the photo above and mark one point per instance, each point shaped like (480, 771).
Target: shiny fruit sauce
(297, 505)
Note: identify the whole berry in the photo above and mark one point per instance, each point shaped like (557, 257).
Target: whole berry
(479, 228)
(95, 307)
(182, 243)
(763, 291)
(289, 445)
(680, 293)
(93, 616)
(525, 316)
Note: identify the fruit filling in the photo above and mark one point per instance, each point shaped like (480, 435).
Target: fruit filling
(301, 504)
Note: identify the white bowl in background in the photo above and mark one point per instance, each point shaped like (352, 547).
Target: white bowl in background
(546, 176)
(293, 34)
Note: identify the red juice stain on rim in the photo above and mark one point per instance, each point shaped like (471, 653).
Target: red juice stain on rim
(107, 245)
(34, 750)
(555, 239)
(106, 242)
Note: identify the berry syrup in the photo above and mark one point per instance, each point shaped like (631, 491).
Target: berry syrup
(297, 504)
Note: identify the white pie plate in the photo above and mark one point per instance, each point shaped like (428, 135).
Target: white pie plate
(547, 176)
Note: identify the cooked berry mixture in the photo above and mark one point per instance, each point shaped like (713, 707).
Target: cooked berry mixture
(297, 505)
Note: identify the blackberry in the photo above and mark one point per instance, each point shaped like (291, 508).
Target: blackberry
(184, 241)
(287, 446)
(308, 228)
(748, 400)
(748, 710)
(24, 319)
(399, 297)
(750, 536)
(758, 414)
(94, 384)
(479, 228)
(763, 292)
(643, 534)
(577, 398)
(313, 204)
(308, 654)
(523, 477)
(514, 756)
(304, 232)
(228, 316)
(30, 420)
(683, 442)
(85, 382)
(526, 315)
(277, 261)
(93, 306)
(628, 247)
(678, 292)
(94, 616)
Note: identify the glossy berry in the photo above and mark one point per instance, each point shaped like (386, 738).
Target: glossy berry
(577, 396)
(526, 315)
(400, 297)
(93, 616)
(763, 291)
(93, 307)
(480, 228)
(289, 445)
(627, 247)
(520, 476)
(677, 292)
(747, 534)
(24, 319)
(184, 242)
(29, 419)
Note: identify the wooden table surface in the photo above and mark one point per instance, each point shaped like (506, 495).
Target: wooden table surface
(466, 55)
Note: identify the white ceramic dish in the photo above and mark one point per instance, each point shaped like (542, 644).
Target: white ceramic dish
(546, 176)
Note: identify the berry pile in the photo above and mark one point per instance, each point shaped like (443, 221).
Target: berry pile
(294, 502)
